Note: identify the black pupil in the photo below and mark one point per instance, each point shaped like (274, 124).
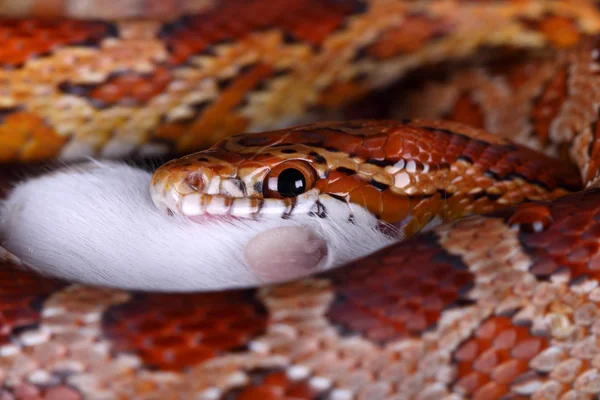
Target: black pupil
(291, 182)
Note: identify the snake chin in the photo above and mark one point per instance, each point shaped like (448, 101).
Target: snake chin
(95, 223)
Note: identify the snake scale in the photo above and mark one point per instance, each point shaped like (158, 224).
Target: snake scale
(502, 305)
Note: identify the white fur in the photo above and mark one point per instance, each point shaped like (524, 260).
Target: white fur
(96, 224)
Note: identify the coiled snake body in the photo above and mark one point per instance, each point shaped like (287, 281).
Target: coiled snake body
(497, 306)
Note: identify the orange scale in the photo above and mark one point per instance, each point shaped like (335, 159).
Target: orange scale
(224, 313)
(429, 206)
(505, 339)
(170, 131)
(483, 181)
(412, 133)
(361, 321)
(529, 190)
(157, 358)
(266, 159)
(416, 324)
(490, 390)
(486, 208)
(167, 341)
(374, 142)
(385, 333)
(378, 154)
(389, 261)
(179, 313)
(362, 152)
(467, 352)
(343, 312)
(345, 185)
(455, 201)
(247, 325)
(146, 327)
(425, 145)
(543, 266)
(508, 371)
(195, 326)
(487, 361)
(276, 379)
(424, 158)
(577, 224)
(582, 252)
(576, 270)
(480, 202)
(594, 265)
(468, 111)
(560, 31)
(300, 390)
(224, 340)
(245, 167)
(344, 143)
(189, 356)
(334, 174)
(529, 348)
(410, 149)
(108, 93)
(393, 146)
(539, 239)
(470, 380)
(220, 327)
(561, 245)
(247, 332)
(224, 171)
(19, 316)
(395, 207)
(429, 285)
(530, 213)
(143, 91)
(431, 313)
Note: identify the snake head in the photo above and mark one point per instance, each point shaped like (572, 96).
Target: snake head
(223, 182)
(287, 172)
(407, 174)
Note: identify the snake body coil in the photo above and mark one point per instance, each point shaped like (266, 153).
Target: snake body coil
(503, 305)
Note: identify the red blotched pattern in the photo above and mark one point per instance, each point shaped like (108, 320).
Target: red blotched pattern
(496, 356)
(21, 297)
(303, 20)
(570, 245)
(398, 293)
(127, 88)
(176, 331)
(21, 40)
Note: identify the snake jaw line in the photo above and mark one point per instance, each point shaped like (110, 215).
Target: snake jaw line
(200, 204)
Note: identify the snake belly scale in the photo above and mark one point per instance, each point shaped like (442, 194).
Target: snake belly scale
(500, 305)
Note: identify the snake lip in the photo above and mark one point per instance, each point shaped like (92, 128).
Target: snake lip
(199, 206)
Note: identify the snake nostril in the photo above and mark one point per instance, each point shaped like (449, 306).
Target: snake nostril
(195, 182)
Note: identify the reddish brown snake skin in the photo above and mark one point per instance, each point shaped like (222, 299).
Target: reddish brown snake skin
(494, 306)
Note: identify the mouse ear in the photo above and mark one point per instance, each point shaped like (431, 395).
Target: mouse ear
(284, 253)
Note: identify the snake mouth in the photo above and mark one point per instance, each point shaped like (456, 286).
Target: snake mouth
(217, 188)
(175, 199)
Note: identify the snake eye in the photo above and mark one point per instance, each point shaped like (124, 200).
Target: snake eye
(289, 179)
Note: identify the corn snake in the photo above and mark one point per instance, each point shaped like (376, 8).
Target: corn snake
(541, 303)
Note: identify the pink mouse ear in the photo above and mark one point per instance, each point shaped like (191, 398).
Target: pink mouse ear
(285, 253)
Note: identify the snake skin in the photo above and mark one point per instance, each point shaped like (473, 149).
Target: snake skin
(120, 87)
(496, 306)
(407, 173)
